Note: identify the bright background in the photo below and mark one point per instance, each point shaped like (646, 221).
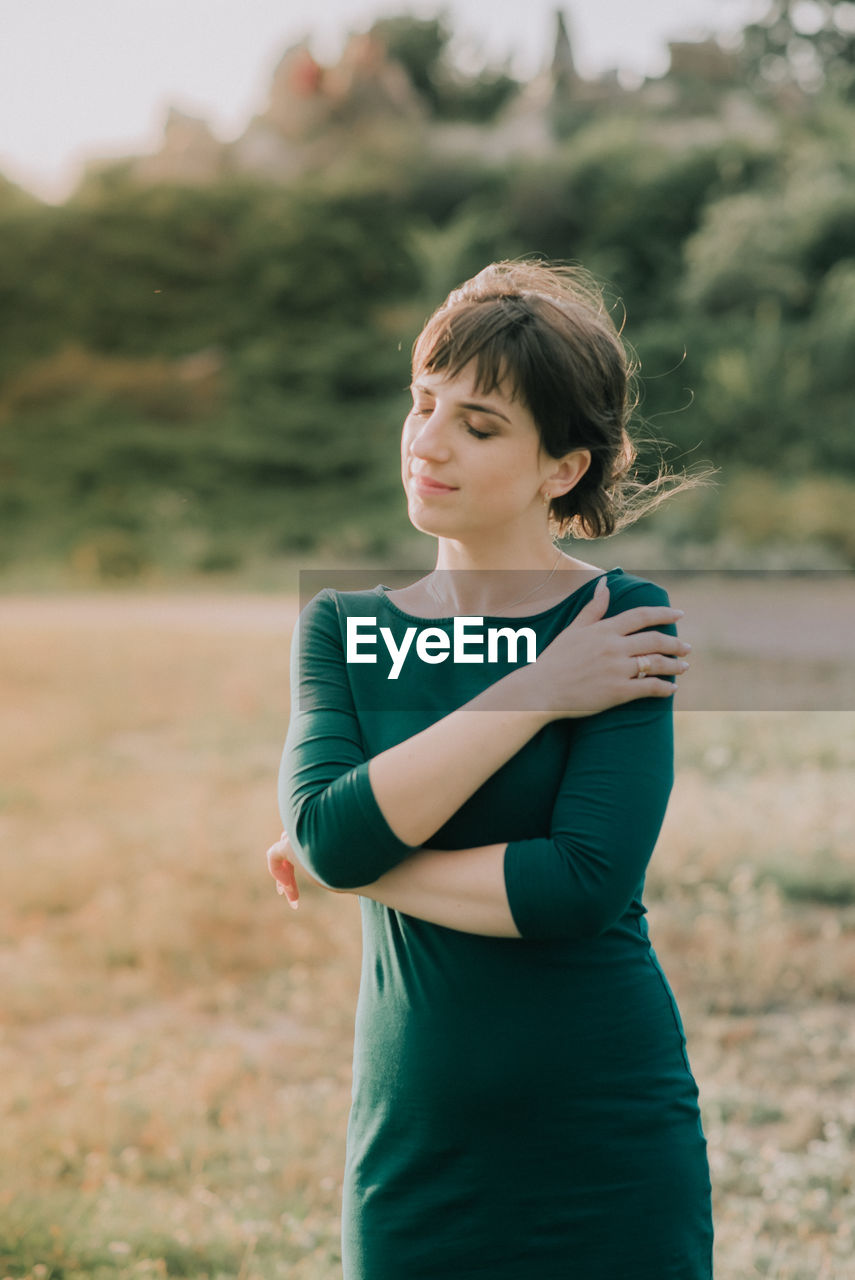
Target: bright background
(93, 77)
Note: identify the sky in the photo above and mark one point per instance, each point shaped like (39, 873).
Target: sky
(86, 79)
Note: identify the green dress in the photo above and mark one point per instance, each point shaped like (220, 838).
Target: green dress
(523, 1109)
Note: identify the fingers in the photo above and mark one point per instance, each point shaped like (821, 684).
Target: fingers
(282, 869)
(651, 687)
(286, 884)
(279, 852)
(632, 638)
(648, 664)
(659, 642)
(659, 654)
(644, 665)
(596, 607)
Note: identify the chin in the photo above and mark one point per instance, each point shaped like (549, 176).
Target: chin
(421, 521)
(436, 527)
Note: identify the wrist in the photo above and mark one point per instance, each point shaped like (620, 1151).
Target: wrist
(521, 693)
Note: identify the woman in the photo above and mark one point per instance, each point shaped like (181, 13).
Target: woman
(523, 1107)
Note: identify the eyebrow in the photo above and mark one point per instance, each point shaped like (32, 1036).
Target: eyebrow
(466, 404)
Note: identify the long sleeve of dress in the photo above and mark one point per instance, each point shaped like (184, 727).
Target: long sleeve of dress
(578, 881)
(326, 800)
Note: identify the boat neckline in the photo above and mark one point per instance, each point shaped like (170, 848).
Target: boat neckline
(382, 591)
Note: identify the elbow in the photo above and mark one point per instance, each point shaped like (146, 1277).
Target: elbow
(588, 898)
(591, 920)
(339, 835)
(564, 893)
(322, 858)
(330, 875)
(317, 849)
(323, 848)
(576, 922)
(567, 922)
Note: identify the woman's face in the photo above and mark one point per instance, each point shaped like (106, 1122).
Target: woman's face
(470, 462)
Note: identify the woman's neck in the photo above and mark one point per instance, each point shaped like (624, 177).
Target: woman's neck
(477, 581)
(471, 556)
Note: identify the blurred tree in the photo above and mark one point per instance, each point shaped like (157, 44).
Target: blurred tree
(775, 244)
(142, 271)
(807, 43)
(14, 197)
(173, 270)
(423, 46)
(622, 202)
(439, 187)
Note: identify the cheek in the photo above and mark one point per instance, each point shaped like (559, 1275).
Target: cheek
(407, 432)
(509, 473)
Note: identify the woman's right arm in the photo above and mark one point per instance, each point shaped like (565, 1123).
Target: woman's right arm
(351, 819)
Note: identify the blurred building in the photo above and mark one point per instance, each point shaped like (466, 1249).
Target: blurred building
(319, 119)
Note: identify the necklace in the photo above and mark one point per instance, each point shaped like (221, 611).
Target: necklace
(508, 604)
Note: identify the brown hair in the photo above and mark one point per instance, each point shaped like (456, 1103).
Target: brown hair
(544, 331)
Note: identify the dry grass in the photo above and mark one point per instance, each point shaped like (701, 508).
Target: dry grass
(176, 1042)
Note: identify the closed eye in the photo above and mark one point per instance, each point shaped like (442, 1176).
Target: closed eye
(473, 431)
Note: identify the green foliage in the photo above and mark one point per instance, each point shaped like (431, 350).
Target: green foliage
(423, 48)
(810, 45)
(193, 375)
(174, 270)
(775, 243)
(479, 98)
(420, 45)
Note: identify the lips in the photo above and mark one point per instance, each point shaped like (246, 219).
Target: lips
(424, 484)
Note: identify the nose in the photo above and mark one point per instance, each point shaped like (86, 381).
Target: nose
(429, 438)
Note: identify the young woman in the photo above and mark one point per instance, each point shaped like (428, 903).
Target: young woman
(523, 1106)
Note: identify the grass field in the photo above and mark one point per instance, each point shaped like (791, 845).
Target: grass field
(176, 1042)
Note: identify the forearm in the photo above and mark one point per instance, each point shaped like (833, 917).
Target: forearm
(460, 889)
(420, 783)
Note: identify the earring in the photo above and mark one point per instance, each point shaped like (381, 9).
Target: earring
(546, 498)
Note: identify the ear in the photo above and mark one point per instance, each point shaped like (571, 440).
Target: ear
(568, 472)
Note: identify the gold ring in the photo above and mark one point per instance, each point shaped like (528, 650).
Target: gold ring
(643, 661)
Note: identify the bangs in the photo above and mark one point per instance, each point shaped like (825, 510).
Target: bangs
(490, 333)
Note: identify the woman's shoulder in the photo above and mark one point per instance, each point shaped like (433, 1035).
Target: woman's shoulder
(637, 587)
(324, 612)
(635, 591)
(332, 600)
(626, 590)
